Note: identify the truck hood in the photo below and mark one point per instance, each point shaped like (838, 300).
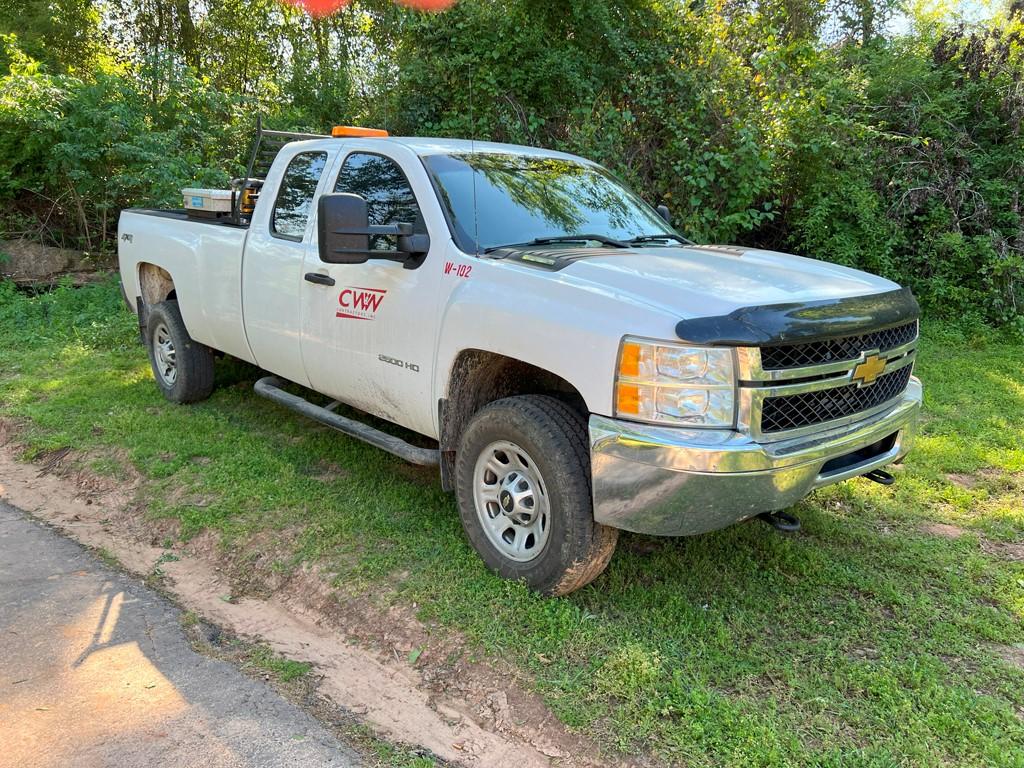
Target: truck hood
(702, 281)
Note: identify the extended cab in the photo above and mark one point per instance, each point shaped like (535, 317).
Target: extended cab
(571, 363)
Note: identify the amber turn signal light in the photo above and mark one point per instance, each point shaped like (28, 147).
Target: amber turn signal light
(629, 360)
(627, 399)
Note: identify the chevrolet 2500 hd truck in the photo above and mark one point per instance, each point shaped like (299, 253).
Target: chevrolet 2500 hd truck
(574, 365)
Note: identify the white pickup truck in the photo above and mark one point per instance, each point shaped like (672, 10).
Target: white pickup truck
(571, 363)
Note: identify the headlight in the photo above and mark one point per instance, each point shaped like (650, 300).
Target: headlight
(664, 382)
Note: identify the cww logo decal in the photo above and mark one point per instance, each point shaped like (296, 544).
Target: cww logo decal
(360, 303)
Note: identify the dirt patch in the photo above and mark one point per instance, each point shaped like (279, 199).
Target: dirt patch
(1013, 654)
(257, 567)
(993, 473)
(945, 530)
(1010, 551)
(964, 481)
(9, 430)
(1007, 550)
(410, 681)
(988, 478)
(26, 263)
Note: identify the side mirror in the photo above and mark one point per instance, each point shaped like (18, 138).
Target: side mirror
(344, 230)
(664, 212)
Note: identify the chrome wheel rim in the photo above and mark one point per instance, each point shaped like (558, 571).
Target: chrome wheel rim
(164, 355)
(511, 501)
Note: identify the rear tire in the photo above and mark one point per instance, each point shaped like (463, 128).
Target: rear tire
(523, 486)
(183, 368)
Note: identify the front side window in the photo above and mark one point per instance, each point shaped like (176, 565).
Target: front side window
(295, 197)
(389, 198)
(496, 199)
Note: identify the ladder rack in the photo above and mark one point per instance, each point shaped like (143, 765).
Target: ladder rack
(266, 144)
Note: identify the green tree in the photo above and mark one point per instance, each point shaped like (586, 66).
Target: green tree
(63, 35)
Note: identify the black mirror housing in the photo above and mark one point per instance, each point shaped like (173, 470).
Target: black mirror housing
(664, 212)
(344, 230)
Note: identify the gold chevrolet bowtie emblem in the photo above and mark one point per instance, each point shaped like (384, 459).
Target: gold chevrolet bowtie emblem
(868, 371)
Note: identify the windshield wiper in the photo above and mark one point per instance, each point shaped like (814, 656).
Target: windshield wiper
(660, 236)
(563, 239)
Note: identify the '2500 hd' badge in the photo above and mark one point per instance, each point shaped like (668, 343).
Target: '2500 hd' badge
(360, 303)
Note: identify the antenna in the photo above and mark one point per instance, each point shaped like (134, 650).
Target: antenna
(472, 151)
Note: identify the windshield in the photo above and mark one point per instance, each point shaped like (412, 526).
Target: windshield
(520, 198)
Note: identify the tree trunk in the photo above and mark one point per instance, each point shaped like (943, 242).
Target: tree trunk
(187, 34)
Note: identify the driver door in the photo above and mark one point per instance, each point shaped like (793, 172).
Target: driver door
(368, 330)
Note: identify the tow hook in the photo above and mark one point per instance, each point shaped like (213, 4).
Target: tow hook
(781, 521)
(880, 476)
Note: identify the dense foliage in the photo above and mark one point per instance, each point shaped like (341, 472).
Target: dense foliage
(805, 125)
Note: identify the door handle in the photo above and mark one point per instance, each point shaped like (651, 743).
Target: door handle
(319, 278)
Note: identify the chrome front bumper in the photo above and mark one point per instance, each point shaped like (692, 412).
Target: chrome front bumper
(667, 481)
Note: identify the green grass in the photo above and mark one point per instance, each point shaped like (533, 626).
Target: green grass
(286, 670)
(865, 640)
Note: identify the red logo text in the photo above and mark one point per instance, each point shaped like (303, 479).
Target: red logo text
(360, 303)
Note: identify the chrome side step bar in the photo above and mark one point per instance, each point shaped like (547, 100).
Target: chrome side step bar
(271, 388)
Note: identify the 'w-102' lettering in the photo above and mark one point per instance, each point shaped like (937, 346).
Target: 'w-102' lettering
(458, 270)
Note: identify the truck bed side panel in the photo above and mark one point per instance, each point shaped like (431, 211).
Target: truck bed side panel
(205, 262)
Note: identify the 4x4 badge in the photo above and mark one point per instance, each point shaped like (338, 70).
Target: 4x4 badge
(867, 372)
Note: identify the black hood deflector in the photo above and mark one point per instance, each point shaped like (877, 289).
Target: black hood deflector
(778, 324)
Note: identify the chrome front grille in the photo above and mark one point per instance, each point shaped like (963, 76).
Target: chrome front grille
(780, 398)
(788, 412)
(836, 350)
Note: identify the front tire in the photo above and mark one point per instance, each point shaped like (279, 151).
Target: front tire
(182, 367)
(523, 485)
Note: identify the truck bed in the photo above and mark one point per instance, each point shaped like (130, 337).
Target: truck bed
(204, 257)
